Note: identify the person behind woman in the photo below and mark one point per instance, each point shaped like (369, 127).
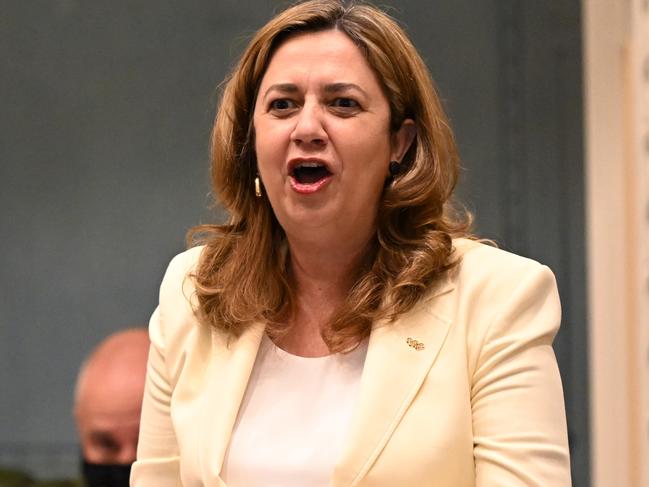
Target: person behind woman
(343, 328)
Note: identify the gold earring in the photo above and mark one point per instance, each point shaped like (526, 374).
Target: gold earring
(257, 187)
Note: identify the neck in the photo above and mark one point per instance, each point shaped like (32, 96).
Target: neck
(323, 275)
(326, 271)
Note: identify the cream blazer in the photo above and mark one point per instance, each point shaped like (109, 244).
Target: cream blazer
(478, 403)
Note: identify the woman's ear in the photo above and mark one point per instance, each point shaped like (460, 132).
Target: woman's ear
(402, 139)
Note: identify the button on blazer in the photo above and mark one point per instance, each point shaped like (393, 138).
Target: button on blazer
(461, 391)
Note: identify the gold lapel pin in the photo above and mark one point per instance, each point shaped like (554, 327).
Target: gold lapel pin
(416, 344)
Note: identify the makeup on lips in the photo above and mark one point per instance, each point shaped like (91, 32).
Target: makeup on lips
(308, 175)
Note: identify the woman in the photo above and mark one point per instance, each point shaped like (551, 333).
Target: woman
(339, 330)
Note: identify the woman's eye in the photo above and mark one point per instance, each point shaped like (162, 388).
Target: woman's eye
(105, 442)
(345, 103)
(281, 104)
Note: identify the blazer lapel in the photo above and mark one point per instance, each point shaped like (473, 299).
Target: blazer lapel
(230, 367)
(399, 357)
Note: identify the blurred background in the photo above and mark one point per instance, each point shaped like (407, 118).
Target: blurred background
(106, 109)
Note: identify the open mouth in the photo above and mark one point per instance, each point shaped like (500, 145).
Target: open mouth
(310, 172)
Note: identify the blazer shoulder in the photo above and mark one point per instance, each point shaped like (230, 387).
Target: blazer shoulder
(175, 315)
(503, 299)
(489, 280)
(176, 282)
(183, 263)
(479, 261)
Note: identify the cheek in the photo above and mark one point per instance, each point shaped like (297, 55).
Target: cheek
(95, 453)
(87, 449)
(271, 154)
(368, 154)
(269, 144)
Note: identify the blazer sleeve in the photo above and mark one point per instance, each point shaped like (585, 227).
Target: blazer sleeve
(519, 423)
(158, 461)
(158, 457)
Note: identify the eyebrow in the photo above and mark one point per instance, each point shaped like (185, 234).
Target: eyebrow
(338, 87)
(102, 436)
(100, 433)
(328, 88)
(282, 87)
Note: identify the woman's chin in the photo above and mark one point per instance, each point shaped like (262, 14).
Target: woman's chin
(308, 221)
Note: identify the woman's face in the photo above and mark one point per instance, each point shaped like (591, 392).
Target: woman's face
(322, 136)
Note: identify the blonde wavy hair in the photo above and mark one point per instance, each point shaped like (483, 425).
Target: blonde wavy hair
(243, 275)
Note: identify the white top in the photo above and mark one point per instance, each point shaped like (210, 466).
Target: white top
(293, 419)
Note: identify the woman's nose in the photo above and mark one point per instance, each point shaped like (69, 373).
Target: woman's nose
(309, 128)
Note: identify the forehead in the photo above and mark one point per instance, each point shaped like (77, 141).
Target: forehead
(119, 396)
(328, 55)
(106, 420)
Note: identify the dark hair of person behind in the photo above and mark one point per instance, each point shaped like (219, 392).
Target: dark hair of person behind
(244, 272)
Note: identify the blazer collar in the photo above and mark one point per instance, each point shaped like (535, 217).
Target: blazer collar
(393, 372)
(395, 367)
(230, 367)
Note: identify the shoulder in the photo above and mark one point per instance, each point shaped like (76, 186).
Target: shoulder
(175, 315)
(183, 264)
(474, 253)
(500, 293)
(175, 281)
(493, 270)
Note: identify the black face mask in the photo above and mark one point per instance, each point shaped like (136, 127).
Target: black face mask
(97, 475)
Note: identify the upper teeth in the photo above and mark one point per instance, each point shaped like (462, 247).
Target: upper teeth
(309, 164)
